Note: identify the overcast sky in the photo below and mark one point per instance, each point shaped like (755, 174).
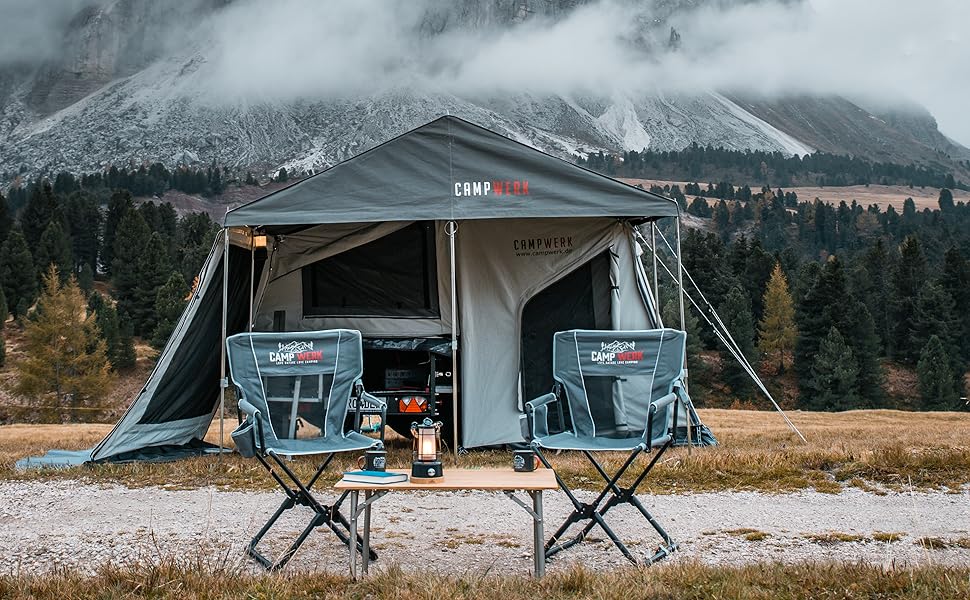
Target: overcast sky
(874, 51)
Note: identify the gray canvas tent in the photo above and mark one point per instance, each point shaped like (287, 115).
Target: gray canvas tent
(449, 231)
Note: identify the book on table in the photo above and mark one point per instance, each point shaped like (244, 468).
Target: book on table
(382, 477)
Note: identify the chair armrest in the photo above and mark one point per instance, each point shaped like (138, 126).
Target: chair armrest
(536, 424)
(655, 407)
(543, 400)
(247, 408)
(253, 416)
(373, 401)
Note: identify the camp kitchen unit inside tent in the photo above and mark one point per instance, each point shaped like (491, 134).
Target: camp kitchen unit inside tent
(457, 253)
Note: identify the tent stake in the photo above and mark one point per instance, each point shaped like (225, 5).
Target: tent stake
(451, 228)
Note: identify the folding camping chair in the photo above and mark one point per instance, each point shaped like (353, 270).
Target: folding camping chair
(622, 390)
(295, 389)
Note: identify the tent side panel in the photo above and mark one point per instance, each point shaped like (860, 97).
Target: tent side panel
(189, 386)
(183, 375)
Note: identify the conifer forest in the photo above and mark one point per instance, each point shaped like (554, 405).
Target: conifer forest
(830, 303)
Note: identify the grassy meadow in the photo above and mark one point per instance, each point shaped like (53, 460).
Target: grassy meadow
(877, 450)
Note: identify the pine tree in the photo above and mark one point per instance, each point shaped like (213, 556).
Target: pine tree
(6, 219)
(909, 279)
(125, 357)
(935, 379)
(85, 278)
(834, 376)
(54, 249)
(169, 304)
(820, 309)
(283, 176)
(120, 351)
(40, 210)
(778, 331)
(151, 271)
(84, 218)
(956, 282)
(17, 273)
(735, 312)
(935, 315)
(4, 310)
(876, 287)
(861, 336)
(129, 245)
(118, 207)
(670, 313)
(65, 362)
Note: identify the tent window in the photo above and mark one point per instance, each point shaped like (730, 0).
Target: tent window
(393, 276)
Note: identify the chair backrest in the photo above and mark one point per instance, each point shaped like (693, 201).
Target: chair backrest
(611, 377)
(300, 382)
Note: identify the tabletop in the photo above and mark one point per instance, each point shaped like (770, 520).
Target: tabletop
(466, 479)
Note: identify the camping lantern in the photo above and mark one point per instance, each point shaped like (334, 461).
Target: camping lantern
(426, 464)
(259, 241)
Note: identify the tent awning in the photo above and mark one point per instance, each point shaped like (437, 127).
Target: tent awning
(450, 169)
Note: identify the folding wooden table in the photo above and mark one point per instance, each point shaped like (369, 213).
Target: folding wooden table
(497, 480)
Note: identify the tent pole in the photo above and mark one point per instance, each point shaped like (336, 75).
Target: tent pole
(683, 324)
(653, 246)
(451, 228)
(223, 383)
(252, 275)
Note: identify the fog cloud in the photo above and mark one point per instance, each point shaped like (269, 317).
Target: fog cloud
(877, 51)
(887, 52)
(32, 31)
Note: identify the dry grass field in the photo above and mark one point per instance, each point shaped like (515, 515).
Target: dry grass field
(880, 451)
(871, 449)
(883, 195)
(684, 581)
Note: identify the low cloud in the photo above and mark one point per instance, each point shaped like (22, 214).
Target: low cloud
(882, 53)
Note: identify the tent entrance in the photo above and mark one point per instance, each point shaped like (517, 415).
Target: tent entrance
(580, 300)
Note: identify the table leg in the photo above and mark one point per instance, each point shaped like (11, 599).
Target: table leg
(538, 534)
(352, 546)
(365, 554)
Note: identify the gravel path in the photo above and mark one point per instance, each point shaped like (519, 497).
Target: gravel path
(44, 525)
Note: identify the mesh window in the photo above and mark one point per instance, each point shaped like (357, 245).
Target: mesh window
(393, 276)
(298, 405)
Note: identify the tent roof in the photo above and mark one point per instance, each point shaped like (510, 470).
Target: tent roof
(421, 175)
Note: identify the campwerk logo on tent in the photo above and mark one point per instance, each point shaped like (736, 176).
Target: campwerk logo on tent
(492, 188)
(617, 353)
(296, 353)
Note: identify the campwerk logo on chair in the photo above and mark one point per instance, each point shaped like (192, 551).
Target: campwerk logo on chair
(617, 353)
(296, 353)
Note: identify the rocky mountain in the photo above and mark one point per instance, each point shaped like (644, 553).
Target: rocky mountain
(126, 83)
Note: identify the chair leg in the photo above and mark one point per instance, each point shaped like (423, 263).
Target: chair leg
(299, 494)
(611, 495)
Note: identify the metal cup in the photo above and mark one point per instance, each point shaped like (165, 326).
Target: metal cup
(524, 461)
(373, 460)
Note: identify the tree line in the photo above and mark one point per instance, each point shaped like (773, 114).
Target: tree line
(703, 163)
(837, 294)
(130, 265)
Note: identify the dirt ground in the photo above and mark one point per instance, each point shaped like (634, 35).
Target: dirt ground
(83, 526)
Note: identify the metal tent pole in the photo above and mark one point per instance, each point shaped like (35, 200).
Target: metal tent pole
(223, 381)
(683, 325)
(252, 275)
(451, 228)
(656, 287)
